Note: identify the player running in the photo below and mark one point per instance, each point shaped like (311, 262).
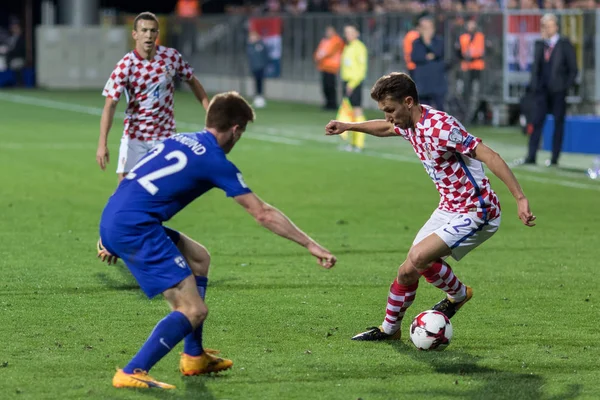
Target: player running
(469, 211)
(177, 171)
(146, 76)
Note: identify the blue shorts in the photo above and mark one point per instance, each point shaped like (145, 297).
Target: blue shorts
(151, 254)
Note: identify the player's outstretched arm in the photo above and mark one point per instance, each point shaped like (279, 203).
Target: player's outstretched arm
(375, 127)
(199, 91)
(499, 167)
(274, 220)
(108, 114)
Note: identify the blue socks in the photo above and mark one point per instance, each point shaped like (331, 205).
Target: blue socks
(192, 344)
(166, 335)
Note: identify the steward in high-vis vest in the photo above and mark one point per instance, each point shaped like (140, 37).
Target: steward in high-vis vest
(328, 57)
(187, 8)
(471, 46)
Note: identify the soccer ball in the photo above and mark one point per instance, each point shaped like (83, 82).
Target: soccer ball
(431, 330)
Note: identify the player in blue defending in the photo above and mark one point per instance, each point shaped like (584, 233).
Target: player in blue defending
(168, 178)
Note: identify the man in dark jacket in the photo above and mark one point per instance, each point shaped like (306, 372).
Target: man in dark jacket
(258, 58)
(430, 71)
(16, 51)
(553, 72)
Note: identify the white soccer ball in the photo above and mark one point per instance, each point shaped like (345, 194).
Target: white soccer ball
(431, 330)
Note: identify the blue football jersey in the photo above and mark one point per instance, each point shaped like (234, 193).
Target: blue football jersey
(172, 175)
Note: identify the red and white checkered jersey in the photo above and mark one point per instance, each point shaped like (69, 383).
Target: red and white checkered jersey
(148, 86)
(445, 149)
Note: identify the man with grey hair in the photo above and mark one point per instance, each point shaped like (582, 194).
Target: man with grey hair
(553, 72)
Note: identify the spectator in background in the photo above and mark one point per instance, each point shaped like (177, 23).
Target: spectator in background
(187, 8)
(296, 6)
(407, 45)
(258, 58)
(471, 45)
(529, 5)
(273, 6)
(354, 72)
(187, 12)
(559, 4)
(328, 57)
(472, 6)
(553, 73)
(430, 71)
(16, 51)
(318, 6)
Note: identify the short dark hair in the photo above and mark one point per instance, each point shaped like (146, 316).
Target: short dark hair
(228, 109)
(397, 86)
(420, 16)
(145, 16)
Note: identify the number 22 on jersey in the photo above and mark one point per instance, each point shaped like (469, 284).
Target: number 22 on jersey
(147, 181)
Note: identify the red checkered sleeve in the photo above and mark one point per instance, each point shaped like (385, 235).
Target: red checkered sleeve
(455, 137)
(184, 70)
(402, 132)
(118, 80)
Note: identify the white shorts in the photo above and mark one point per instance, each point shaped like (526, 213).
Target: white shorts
(131, 151)
(461, 232)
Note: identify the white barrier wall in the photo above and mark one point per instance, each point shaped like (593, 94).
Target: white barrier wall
(274, 89)
(78, 58)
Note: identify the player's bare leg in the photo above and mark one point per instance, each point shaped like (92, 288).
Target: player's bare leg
(102, 253)
(424, 259)
(427, 257)
(195, 359)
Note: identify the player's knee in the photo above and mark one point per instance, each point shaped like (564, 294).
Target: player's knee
(196, 313)
(417, 258)
(407, 276)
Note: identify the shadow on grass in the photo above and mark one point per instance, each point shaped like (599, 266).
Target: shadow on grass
(125, 281)
(489, 383)
(195, 388)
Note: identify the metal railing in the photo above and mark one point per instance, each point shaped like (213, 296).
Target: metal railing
(217, 45)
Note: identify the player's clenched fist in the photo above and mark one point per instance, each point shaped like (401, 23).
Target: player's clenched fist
(335, 127)
(324, 257)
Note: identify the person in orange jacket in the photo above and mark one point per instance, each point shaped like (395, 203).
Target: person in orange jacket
(328, 57)
(188, 8)
(471, 45)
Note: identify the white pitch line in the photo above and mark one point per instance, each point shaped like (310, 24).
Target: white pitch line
(273, 135)
(47, 146)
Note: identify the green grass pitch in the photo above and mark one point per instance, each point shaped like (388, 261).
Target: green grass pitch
(67, 320)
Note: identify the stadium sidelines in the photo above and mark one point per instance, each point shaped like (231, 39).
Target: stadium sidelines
(273, 135)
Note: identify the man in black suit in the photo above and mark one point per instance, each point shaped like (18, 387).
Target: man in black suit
(430, 72)
(553, 72)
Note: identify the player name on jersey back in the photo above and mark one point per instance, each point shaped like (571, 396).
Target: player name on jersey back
(197, 147)
(170, 176)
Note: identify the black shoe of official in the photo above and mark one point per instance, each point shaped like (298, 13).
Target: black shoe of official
(524, 161)
(449, 308)
(377, 334)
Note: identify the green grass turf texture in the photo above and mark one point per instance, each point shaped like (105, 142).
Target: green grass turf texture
(67, 320)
